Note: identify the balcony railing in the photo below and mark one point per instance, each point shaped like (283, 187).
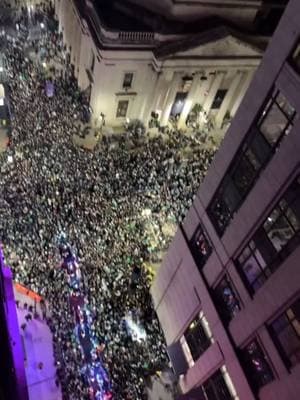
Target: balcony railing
(138, 37)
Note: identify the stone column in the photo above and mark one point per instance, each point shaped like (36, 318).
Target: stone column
(190, 100)
(201, 91)
(245, 82)
(170, 98)
(228, 98)
(213, 91)
(155, 96)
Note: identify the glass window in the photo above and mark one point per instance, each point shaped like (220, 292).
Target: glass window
(285, 331)
(244, 175)
(275, 121)
(280, 232)
(218, 100)
(215, 388)
(201, 247)
(256, 365)
(285, 106)
(274, 124)
(259, 150)
(197, 337)
(92, 62)
(226, 299)
(296, 57)
(219, 214)
(122, 108)
(273, 241)
(127, 81)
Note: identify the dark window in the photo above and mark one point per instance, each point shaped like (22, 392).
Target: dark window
(215, 388)
(274, 122)
(201, 247)
(226, 300)
(256, 366)
(285, 331)
(218, 100)
(92, 65)
(197, 338)
(122, 108)
(296, 58)
(273, 241)
(127, 81)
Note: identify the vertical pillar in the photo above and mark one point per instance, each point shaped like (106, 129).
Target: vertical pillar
(213, 91)
(155, 96)
(202, 90)
(190, 100)
(170, 99)
(228, 98)
(246, 79)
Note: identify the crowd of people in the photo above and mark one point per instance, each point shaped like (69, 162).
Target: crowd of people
(104, 200)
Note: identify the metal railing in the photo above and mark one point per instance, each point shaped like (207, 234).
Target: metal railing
(139, 37)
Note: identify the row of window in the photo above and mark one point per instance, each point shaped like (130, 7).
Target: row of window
(275, 122)
(195, 341)
(281, 232)
(273, 242)
(285, 332)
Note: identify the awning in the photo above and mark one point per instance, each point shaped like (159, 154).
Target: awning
(194, 394)
(177, 358)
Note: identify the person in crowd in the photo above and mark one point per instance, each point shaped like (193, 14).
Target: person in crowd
(99, 199)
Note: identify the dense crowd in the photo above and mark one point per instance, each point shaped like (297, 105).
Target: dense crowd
(108, 202)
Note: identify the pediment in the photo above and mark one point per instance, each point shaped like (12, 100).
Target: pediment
(224, 47)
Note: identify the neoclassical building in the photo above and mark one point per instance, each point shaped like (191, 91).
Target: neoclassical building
(133, 62)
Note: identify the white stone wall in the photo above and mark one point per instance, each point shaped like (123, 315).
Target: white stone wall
(155, 82)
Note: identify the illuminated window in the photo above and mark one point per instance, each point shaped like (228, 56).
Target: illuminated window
(198, 336)
(256, 366)
(276, 119)
(275, 122)
(226, 300)
(200, 246)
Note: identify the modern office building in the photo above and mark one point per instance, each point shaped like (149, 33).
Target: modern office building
(136, 63)
(228, 292)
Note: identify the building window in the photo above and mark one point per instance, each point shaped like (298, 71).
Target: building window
(275, 121)
(200, 246)
(256, 366)
(92, 62)
(198, 336)
(296, 57)
(226, 299)
(215, 388)
(127, 81)
(122, 108)
(273, 242)
(218, 100)
(285, 331)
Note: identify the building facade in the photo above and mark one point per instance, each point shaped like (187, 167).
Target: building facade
(140, 68)
(228, 292)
